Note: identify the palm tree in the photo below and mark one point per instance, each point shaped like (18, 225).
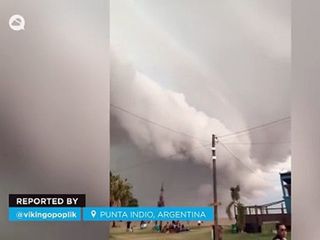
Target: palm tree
(133, 202)
(235, 196)
(120, 192)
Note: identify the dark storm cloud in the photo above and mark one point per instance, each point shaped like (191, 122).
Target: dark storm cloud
(232, 75)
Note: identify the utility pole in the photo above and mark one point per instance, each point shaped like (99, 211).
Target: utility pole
(215, 197)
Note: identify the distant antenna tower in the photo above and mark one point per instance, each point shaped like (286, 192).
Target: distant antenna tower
(161, 198)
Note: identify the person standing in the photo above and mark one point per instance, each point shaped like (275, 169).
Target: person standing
(281, 232)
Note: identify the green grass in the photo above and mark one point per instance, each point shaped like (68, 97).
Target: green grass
(196, 234)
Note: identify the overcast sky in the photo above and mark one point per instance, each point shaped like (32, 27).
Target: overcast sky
(197, 68)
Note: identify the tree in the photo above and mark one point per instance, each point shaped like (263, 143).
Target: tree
(133, 202)
(120, 193)
(235, 201)
(235, 198)
(241, 217)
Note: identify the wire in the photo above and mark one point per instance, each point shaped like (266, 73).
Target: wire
(255, 128)
(196, 138)
(245, 165)
(152, 161)
(203, 146)
(235, 157)
(155, 123)
(255, 143)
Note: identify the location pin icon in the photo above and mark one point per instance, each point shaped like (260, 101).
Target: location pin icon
(93, 213)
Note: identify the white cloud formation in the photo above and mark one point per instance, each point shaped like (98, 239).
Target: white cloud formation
(201, 73)
(138, 97)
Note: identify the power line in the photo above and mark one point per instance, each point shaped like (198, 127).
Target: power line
(176, 154)
(155, 123)
(245, 165)
(255, 128)
(193, 137)
(255, 143)
(152, 161)
(196, 138)
(235, 157)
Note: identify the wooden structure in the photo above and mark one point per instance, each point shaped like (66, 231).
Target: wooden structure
(279, 211)
(271, 212)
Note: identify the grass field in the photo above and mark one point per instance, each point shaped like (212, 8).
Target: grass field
(196, 234)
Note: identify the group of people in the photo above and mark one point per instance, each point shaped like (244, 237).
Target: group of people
(174, 227)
